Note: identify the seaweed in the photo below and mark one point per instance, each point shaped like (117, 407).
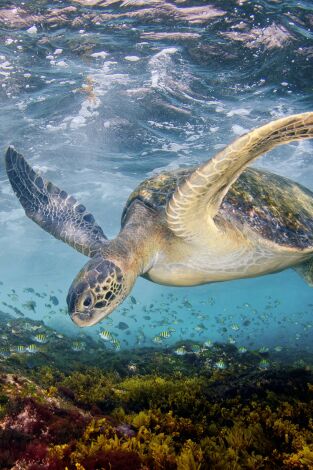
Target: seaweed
(195, 418)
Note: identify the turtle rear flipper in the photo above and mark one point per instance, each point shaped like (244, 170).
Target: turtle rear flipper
(53, 209)
(305, 270)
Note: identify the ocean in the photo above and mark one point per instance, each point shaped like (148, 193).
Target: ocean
(100, 95)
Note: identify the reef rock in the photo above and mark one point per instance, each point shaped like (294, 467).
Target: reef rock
(272, 37)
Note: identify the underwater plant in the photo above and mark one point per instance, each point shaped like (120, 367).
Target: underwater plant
(89, 419)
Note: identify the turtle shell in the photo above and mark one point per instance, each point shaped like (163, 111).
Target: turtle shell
(156, 191)
(274, 207)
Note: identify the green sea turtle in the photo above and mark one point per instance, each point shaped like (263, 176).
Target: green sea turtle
(185, 227)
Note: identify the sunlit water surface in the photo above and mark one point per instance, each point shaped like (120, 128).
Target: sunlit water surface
(100, 97)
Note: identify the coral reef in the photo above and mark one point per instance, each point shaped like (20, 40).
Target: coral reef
(221, 419)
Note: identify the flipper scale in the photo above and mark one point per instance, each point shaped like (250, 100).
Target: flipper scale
(53, 209)
(197, 200)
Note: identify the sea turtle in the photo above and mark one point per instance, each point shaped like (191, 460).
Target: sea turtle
(184, 227)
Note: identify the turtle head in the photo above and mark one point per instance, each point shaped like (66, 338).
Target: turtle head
(97, 290)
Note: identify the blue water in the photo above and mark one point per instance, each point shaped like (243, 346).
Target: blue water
(100, 97)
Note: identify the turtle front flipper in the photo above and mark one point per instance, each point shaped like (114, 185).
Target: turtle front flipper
(54, 210)
(196, 201)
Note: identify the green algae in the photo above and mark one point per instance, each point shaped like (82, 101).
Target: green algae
(95, 419)
(152, 408)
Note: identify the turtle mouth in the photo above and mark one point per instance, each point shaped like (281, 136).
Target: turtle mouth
(82, 318)
(91, 316)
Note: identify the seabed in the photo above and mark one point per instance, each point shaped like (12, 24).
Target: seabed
(148, 408)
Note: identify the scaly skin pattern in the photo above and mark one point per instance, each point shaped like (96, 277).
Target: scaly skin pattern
(196, 202)
(217, 222)
(236, 252)
(215, 231)
(52, 208)
(274, 207)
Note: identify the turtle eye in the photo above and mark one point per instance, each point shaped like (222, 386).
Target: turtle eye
(87, 300)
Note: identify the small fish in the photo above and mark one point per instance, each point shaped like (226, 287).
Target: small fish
(30, 305)
(263, 350)
(242, 350)
(122, 326)
(264, 364)
(221, 365)
(157, 339)
(116, 343)
(41, 338)
(208, 343)
(20, 349)
(32, 348)
(106, 335)
(54, 300)
(18, 312)
(278, 348)
(29, 290)
(231, 340)
(33, 327)
(139, 339)
(165, 334)
(41, 296)
(180, 351)
(13, 296)
(199, 328)
(196, 348)
(133, 300)
(5, 352)
(59, 335)
(235, 327)
(77, 346)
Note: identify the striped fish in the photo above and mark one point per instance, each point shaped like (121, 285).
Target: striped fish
(78, 346)
(157, 339)
(40, 338)
(165, 334)
(106, 335)
(116, 343)
(32, 348)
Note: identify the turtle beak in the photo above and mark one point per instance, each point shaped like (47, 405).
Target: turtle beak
(79, 318)
(82, 319)
(87, 318)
